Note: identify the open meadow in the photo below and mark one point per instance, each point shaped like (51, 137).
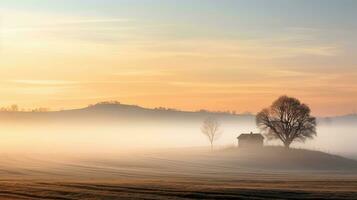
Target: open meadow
(271, 173)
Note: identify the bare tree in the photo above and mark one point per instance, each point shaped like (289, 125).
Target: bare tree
(14, 108)
(288, 120)
(211, 128)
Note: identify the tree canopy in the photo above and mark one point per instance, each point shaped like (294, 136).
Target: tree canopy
(211, 128)
(287, 119)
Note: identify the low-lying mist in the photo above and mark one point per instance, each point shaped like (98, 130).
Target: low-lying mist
(108, 137)
(120, 137)
(112, 129)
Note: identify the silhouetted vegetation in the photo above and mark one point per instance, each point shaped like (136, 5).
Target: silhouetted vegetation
(105, 103)
(288, 120)
(228, 112)
(165, 109)
(40, 109)
(16, 108)
(211, 128)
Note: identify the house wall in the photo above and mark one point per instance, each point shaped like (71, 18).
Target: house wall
(250, 143)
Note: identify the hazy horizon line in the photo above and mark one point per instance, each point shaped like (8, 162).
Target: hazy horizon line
(115, 102)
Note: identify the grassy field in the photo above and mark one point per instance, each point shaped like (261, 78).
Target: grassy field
(181, 174)
(176, 189)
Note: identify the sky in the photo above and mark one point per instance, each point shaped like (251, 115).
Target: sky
(198, 54)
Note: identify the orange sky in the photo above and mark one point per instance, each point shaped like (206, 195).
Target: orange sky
(72, 59)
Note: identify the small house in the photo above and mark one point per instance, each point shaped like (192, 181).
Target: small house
(248, 140)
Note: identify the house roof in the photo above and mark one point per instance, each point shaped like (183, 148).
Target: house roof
(254, 136)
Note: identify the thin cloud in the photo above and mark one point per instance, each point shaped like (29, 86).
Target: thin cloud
(100, 20)
(45, 82)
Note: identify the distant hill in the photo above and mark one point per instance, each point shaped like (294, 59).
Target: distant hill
(344, 119)
(116, 111)
(107, 111)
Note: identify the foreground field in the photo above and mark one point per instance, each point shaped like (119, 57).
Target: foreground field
(183, 174)
(189, 189)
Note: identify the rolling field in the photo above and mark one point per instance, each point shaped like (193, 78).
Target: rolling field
(184, 174)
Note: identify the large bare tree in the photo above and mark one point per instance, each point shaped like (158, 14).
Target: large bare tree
(211, 128)
(288, 120)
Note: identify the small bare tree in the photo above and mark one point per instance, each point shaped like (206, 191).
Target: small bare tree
(288, 120)
(211, 128)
